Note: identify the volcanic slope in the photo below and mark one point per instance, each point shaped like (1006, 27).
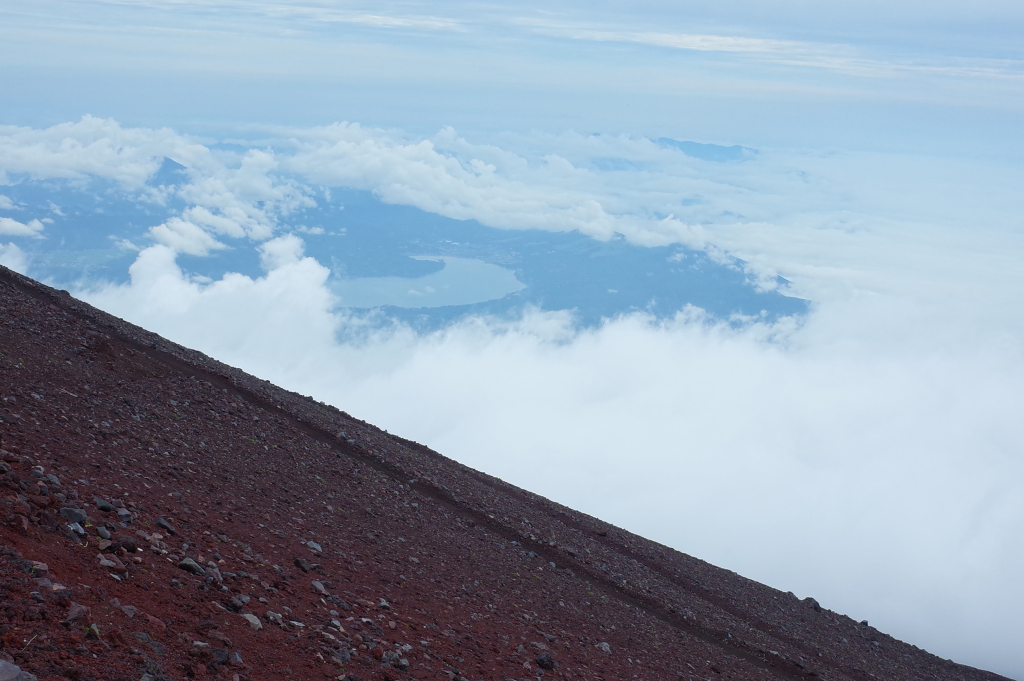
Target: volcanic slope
(163, 515)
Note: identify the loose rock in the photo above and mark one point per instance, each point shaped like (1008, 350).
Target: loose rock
(189, 565)
(545, 661)
(253, 621)
(75, 613)
(12, 672)
(103, 505)
(73, 515)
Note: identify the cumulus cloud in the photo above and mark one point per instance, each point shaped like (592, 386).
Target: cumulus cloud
(93, 147)
(184, 237)
(244, 201)
(11, 227)
(419, 174)
(231, 196)
(13, 257)
(6, 203)
(286, 309)
(281, 252)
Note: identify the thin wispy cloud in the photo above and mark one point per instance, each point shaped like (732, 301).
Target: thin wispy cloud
(309, 12)
(838, 57)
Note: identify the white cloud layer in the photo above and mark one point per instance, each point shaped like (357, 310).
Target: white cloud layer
(92, 147)
(226, 196)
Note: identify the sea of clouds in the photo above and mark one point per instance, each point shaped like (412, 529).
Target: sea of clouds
(869, 454)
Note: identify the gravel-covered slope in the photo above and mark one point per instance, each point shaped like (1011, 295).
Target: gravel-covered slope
(163, 514)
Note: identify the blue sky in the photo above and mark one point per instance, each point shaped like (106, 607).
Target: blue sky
(867, 453)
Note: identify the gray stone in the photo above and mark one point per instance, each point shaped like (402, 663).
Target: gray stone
(253, 621)
(75, 612)
(189, 565)
(604, 647)
(124, 515)
(167, 526)
(214, 571)
(104, 561)
(8, 671)
(319, 588)
(103, 532)
(103, 505)
(545, 661)
(316, 547)
(54, 480)
(12, 672)
(813, 603)
(73, 515)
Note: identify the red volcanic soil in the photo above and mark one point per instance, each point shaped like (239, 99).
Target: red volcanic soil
(163, 515)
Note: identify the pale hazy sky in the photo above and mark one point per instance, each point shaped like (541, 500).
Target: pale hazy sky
(905, 75)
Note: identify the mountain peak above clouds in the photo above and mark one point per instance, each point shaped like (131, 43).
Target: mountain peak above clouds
(170, 173)
(164, 515)
(708, 152)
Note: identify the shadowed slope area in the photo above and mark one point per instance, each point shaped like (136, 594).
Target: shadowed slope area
(200, 522)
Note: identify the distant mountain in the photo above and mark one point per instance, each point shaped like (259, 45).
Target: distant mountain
(170, 173)
(708, 152)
